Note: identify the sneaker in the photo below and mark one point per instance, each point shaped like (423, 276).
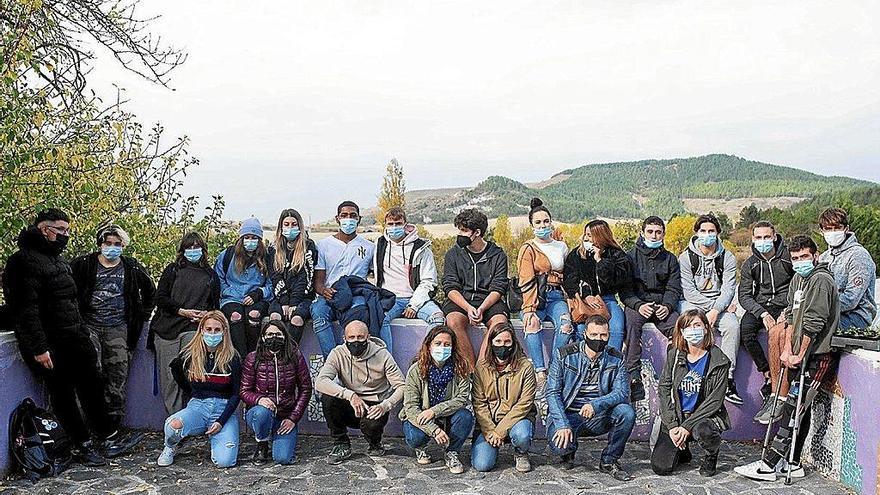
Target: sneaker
(522, 463)
(709, 465)
(339, 453)
(422, 457)
(261, 455)
(615, 471)
(636, 389)
(766, 389)
(763, 415)
(732, 395)
(120, 444)
(758, 470)
(797, 471)
(166, 458)
(779, 408)
(86, 454)
(568, 461)
(377, 450)
(453, 463)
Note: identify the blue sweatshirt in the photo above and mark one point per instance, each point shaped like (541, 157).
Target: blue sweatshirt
(234, 286)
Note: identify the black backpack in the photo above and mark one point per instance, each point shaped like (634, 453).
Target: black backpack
(39, 446)
(719, 265)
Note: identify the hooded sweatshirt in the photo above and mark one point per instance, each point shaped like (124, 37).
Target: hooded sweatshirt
(855, 274)
(374, 376)
(764, 282)
(475, 280)
(393, 270)
(813, 310)
(700, 287)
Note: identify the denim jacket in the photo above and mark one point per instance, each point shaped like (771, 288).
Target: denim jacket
(569, 368)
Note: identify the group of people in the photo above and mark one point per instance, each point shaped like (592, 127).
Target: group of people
(228, 333)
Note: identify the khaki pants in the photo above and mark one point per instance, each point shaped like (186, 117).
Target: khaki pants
(166, 351)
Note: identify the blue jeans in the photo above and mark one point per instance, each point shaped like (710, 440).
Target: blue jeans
(852, 320)
(555, 310)
(265, 427)
(197, 417)
(429, 312)
(461, 424)
(484, 456)
(323, 317)
(619, 422)
(616, 327)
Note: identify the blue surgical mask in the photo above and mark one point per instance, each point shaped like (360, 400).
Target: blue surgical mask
(111, 252)
(693, 335)
(653, 244)
(348, 226)
(193, 255)
(250, 245)
(803, 267)
(543, 232)
(395, 232)
(763, 246)
(291, 233)
(707, 239)
(212, 339)
(441, 353)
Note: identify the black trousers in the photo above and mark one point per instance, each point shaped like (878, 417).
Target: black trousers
(340, 417)
(749, 327)
(75, 377)
(244, 332)
(666, 455)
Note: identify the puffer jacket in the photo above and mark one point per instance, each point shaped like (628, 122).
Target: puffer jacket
(764, 282)
(288, 385)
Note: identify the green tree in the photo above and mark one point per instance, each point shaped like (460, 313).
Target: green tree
(393, 192)
(749, 215)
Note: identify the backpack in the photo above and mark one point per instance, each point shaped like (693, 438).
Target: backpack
(719, 265)
(39, 446)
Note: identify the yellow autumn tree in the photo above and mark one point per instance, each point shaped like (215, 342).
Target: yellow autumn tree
(679, 231)
(501, 234)
(393, 192)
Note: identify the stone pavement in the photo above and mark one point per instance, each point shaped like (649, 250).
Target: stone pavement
(396, 473)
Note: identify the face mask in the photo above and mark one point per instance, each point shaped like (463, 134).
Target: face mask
(395, 232)
(60, 242)
(693, 335)
(835, 238)
(803, 267)
(463, 241)
(357, 348)
(193, 255)
(502, 352)
(111, 252)
(543, 232)
(707, 239)
(212, 339)
(250, 245)
(653, 244)
(763, 246)
(290, 234)
(588, 245)
(348, 226)
(595, 345)
(441, 353)
(274, 343)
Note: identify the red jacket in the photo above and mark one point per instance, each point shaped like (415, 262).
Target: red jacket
(288, 385)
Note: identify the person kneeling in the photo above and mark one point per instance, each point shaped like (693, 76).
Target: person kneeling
(438, 388)
(276, 388)
(588, 396)
(369, 385)
(692, 389)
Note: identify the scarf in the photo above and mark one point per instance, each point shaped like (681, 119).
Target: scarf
(438, 379)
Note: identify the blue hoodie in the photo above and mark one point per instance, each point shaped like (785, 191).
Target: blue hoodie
(234, 286)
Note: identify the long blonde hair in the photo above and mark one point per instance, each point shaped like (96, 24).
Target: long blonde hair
(195, 353)
(299, 245)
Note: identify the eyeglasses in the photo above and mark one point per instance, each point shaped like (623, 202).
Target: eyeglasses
(58, 230)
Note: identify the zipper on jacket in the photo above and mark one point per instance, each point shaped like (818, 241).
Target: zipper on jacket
(277, 386)
(498, 394)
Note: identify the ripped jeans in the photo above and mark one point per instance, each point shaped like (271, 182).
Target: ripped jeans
(555, 310)
(197, 417)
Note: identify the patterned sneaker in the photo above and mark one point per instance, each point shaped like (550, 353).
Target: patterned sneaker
(453, 463)
(422, 457)
(732, 395)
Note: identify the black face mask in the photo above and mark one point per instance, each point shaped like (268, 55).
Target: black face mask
(595, 345)
(357, 348)
(274, 343)
(463, 241)
(59, 243)
(502, 352)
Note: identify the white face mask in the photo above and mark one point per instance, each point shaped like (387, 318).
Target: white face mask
(588, 245)
(835, 238)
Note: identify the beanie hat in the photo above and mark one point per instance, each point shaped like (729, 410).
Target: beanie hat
(114, 230)
(251, 226)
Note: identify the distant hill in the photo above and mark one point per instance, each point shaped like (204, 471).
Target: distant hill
(635, 189)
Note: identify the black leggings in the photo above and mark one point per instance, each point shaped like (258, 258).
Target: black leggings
(666, 455)
(246, 331)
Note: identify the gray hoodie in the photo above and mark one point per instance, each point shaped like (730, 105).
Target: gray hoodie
(855, 275)
(700, 287)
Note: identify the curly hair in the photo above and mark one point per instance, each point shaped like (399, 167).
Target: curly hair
(424, 359)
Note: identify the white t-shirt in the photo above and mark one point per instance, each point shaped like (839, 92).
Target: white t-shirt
(396, 268)
(339, 259)
(556, 251)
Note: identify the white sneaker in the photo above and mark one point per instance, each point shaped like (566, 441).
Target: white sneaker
(166, 458)
(453, 463)
(422, 457)
(796, 472)
(758, 470)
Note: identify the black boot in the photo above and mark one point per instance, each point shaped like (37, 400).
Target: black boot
(636, 388)
(710, 462)
(261, 455)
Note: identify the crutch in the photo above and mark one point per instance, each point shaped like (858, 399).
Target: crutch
(775, 398)
(797, 420)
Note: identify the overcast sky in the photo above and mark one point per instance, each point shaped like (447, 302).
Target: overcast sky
(302, 104)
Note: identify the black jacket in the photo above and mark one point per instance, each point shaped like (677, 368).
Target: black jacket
(475, 280)
(138, 291)
(611, 275)
(378, 301)
(293, 288)
(166, 322)
(656, 277)
(764, 283)
(41, 294)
